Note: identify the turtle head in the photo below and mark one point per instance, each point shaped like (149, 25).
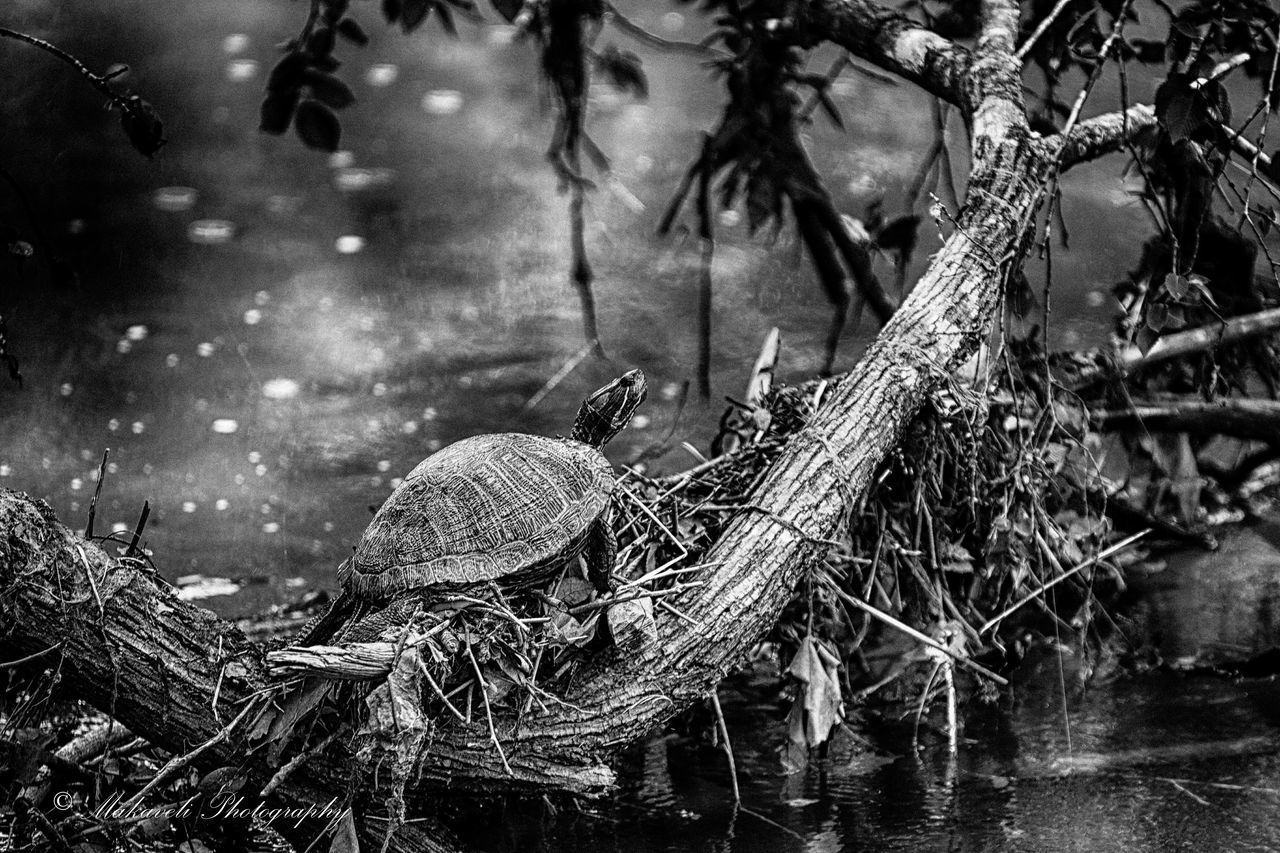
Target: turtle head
(604, 414)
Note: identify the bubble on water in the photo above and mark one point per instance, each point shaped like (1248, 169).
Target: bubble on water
(465, 381)
(265, 509)
(46, 463)
(260, 469)
(119, 527)
(355, 180)
(252, 317)
(204, 349)
(76, 484)
(202, 405)
(1096, 298)
(137, 427)
(188, 506)
(66, 389)
(226, 426)
(379, 389)
(242, 70)
(429, 413)
(171, 360)
(328, 527)
(730, 218)
(349, 244)
(384, 465)
(211, 232)
(382, 74)
(113, 424)
(124, 345)
(1071, 337)
(341, 160)
(442, 102)
(254, 457)
(271, 527)
(197, 587)
(673, 22)
(221, 504)
(235, 43)
(175, 199)
(75, 506)
(409, 427)
(640, 421)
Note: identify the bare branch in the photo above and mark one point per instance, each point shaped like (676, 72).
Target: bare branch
(1105, 134)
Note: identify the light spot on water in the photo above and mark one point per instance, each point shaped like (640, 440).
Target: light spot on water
(271, 527)
(1096, 298)
(640, 421)
(171, 360)
(5, 470)
(730, 218)
(384, 465)
(242, 70)
(501, 35)
(326, 303)
(252, 317)
(262, 297)
(283, 205)
(429, 413)
(643, 163)
(375, 481)
(113, 468)
(670, 391)
(66, 389)
(673, 22)
(366, 324)
(260, 470)
(136, 332)
(221, 504)
(382, 74)
(147, 469)
(235, 43)
(211, 232)
(75, 226)
(280, 388)
(349, 244)
(76, 484)
(239, 479)
(124, 345)
(354, 180)
(175, 199)
(113, 425)
(137, 427)
(295, 583)
(341, 160)
(328, 527)
(442, 102)
(1071, 337)
(379, 389)
(433, 445)
(226, 426)
(221, 114)
(409, 427)
(204, 349)
(119, 527)
(188, 506)
(265, 509)
(254, 457)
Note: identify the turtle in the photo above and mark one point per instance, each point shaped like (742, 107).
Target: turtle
(508, 508)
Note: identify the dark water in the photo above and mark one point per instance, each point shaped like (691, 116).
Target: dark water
(267, 337)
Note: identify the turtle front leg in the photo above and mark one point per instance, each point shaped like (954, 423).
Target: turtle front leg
(601, 550)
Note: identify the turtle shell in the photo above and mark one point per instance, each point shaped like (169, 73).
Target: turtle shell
(480, 509)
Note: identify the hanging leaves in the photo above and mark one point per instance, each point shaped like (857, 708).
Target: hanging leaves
(318, 127)
(142, 125)
(508, 9)
(817, 708)
(277, 111)
(329, 89)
